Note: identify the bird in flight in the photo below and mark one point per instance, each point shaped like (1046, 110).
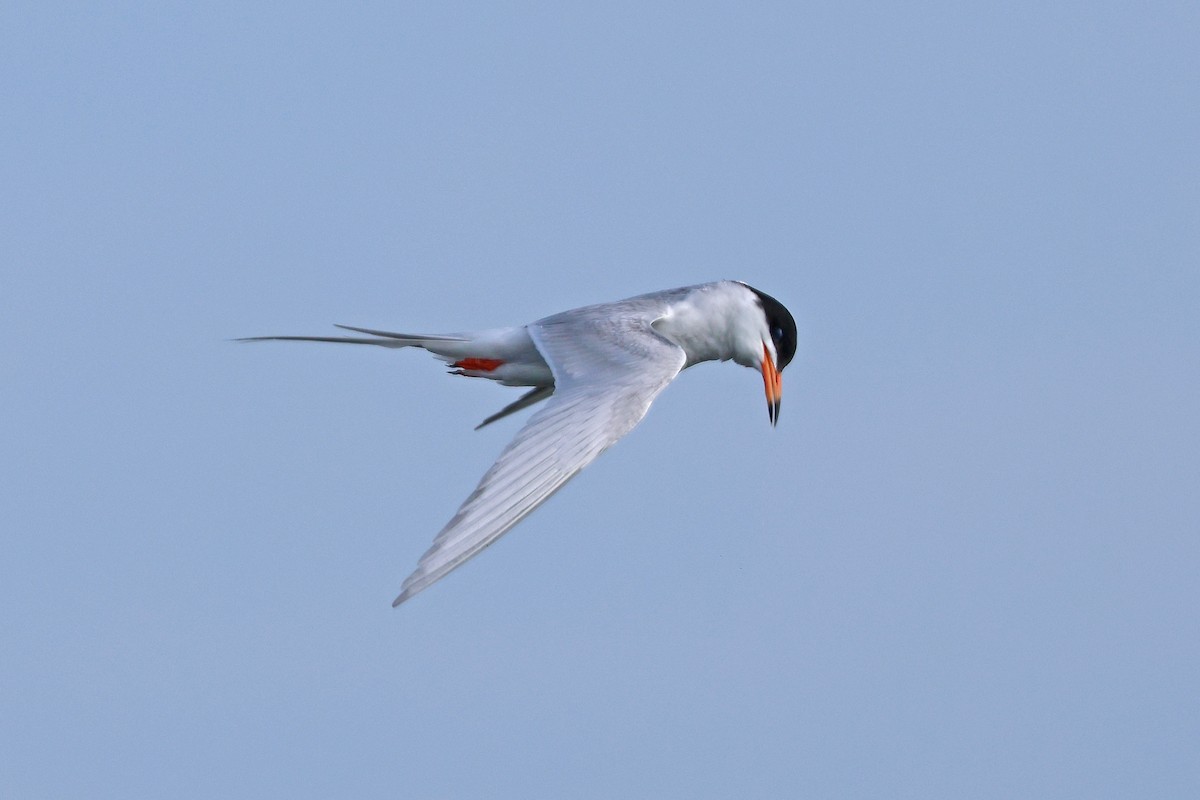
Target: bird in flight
(600, 367)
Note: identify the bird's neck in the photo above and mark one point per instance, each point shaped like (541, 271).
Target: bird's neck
(709, 323)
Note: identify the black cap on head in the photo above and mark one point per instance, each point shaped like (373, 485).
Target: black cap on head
(781, 325)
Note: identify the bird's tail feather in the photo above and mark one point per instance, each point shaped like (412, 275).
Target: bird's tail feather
(378, 338)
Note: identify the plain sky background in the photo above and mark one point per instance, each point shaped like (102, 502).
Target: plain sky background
(966, 564)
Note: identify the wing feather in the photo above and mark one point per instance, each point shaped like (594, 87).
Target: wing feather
(608, 368)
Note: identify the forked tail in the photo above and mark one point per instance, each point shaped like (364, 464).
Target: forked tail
(378, 338)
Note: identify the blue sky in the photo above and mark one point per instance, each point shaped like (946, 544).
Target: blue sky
(964, 564)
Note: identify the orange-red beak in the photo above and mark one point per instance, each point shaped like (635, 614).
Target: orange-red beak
(773, 383)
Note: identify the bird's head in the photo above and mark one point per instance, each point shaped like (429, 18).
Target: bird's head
(777, 335)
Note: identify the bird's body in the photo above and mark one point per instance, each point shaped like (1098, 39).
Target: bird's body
(601, 366)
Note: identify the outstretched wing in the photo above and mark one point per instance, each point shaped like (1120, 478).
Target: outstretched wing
(607, 372)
